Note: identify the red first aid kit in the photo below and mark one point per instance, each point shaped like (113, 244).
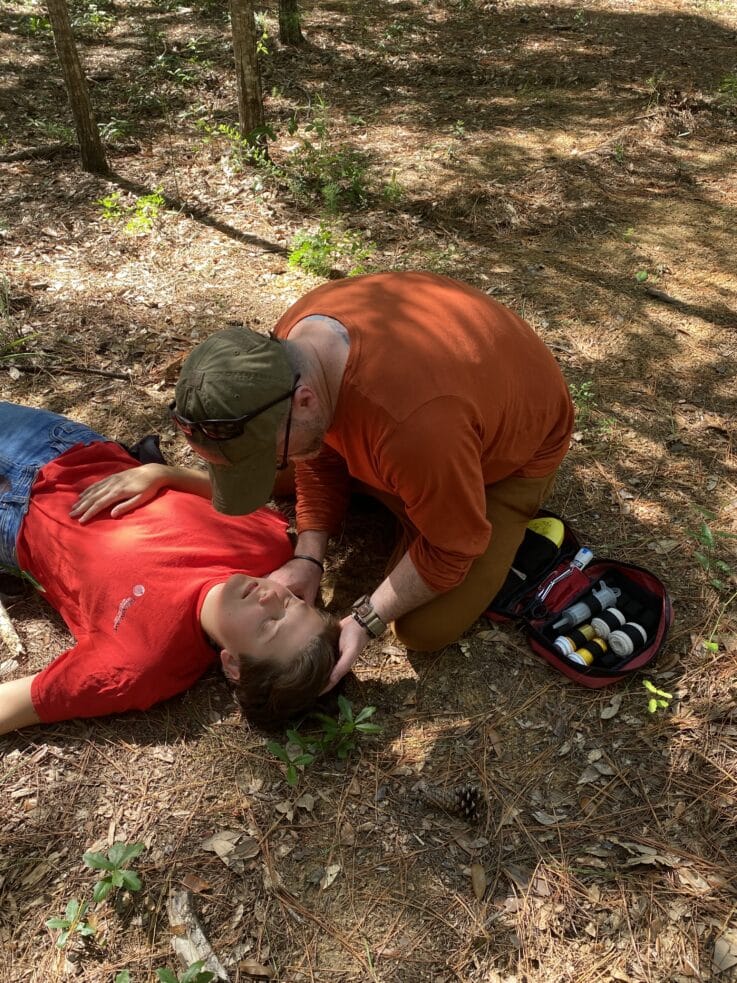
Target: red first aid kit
(595, 619)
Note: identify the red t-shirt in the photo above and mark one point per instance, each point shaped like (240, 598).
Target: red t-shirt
(130, 590)
(445, 391)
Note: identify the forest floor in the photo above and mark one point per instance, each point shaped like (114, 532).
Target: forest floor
(576, 161)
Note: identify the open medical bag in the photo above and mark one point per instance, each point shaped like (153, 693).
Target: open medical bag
(595, 619)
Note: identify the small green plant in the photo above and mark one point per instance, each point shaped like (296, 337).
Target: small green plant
(73, 922)
(658, 700)
(33, 25)
(393, 191)
(145, 212)
(262, 33)
(728, 88)
(294, 754)
(192, 974)
(123, 976)
(51, 129)
(459, 129)
(91, 20)
(320, 251)
(139, 217)
(655, 86)
(115, 865)
(112, 206)
(641, 276)
(708, 556)
(337, 735)
(583, 400)
(114, 129)
(619, 153)
(341, 733)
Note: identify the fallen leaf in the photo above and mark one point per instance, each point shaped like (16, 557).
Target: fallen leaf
(612, 709)
(195, 883)
(331, 872)
(232, 846)
(252, 968)
(689, 878)
(306, 802)
(545, 819)
(725, 951)
(517, 875)
(590, 774)
(478, 881)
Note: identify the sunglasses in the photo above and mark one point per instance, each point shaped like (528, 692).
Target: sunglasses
(220, 430)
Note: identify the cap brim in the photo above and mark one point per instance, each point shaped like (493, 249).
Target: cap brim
(238, 489)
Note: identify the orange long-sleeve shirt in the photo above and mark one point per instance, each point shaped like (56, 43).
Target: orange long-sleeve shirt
(445, 391)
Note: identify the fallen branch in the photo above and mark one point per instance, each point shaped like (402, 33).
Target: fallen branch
(662, 295)
(9, 634)
(189, 941)
(71, 369)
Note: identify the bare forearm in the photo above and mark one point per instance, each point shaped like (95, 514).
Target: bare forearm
(16, 706)
(312, 542)
(186, 480)
(402, 591)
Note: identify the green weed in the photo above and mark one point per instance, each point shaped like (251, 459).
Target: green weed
(12, 342)
(139, 217)
(34, 25)
(728, 88)
(90, 20)
(242, 151)
(114, 129)
(112, 206)
(658, 699)
(262, 34)
(115, 865)
(145, 212)
(337, 735)
(583, 400)
(709, 556)
(51, 129)
(180, 65)
(655, 87)
(321, 251)
(73, 922)
(193, 974)
(641, 276)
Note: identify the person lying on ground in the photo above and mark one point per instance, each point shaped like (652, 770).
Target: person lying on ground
(151, 601)
(424, 391)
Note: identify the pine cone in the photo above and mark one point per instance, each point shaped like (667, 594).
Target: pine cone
(463, 800)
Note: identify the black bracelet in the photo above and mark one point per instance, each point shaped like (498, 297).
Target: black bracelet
(312, 559)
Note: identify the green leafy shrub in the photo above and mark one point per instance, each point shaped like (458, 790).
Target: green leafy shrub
(337, 735)
(73, 922)
(115, 865)
(321, 251)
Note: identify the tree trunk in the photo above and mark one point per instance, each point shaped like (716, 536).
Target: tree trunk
(90, 145)
(250, 103)
(289, 27)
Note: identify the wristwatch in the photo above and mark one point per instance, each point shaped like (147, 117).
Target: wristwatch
(364, 614)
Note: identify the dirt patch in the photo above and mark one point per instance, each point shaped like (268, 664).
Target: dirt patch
(578, 163)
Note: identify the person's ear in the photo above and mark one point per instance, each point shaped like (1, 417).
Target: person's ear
(231, 666)
(305, 398)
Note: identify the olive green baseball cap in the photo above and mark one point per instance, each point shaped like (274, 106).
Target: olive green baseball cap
(233, 373)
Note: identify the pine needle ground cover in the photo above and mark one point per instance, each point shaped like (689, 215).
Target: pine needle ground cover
(578, 163)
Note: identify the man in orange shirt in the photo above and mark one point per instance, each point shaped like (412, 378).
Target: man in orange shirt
(435, 398)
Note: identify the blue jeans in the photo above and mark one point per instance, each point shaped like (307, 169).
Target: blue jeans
(29, 439)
